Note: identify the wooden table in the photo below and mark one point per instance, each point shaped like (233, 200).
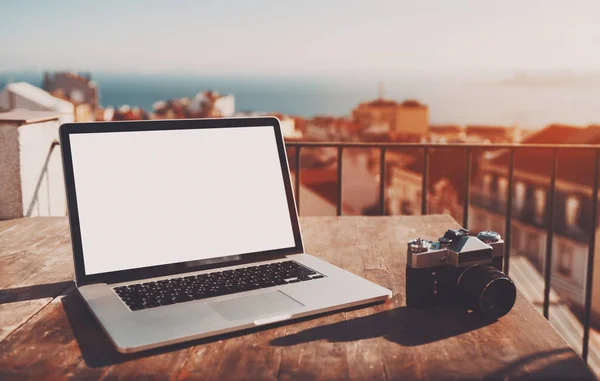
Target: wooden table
(47, 333)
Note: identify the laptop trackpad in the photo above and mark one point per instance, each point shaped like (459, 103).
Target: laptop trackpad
(259, 306)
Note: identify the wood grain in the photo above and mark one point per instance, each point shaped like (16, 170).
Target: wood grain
(46, 332)
(35, 267)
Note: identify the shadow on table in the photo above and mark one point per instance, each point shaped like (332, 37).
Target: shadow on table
(98, 351)
(38, 291)
(405, 326)
(402, 325)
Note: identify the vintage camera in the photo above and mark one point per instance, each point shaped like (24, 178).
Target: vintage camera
(459, 268)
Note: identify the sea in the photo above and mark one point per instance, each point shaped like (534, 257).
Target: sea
(451, 100)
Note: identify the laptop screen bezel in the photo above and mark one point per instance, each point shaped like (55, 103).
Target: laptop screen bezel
(181, 267)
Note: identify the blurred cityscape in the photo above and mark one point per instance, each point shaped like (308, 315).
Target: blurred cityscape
(68, 96)
(31, 180)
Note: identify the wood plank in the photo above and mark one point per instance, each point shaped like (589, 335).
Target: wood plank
(5, 224)
(35, 267)
(45, 348)
(385, 341)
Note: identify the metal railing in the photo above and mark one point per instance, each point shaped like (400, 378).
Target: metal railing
(468, 148)
(43, 173)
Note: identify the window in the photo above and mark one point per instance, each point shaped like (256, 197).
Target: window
(572, 209)
(532, 248)
(77, 96)
(487, 184)
(520, 196)
(540, 205)
(565, 259)
(502, 189)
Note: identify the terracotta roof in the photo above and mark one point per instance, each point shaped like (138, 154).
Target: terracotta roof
(553, 134)
(385, 103)
(22, 116)
(445, 128)
(322, 181)
(573, 165)
(412, 103)
(590, 135)
(382, 103)
(488, 130)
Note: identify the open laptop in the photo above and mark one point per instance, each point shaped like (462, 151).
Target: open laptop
(183, 229)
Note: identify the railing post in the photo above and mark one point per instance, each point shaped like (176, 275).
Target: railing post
(550, 236)
(424, 181)
(590, 262)
(297, 179)
(467, 189)
(509, 202)
(339, 180)
(382, 181)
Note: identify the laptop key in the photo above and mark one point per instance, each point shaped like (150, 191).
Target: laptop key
(195, 287)
(135, 307)
(183, 298)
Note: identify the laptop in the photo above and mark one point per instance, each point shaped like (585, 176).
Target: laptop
(184, 229)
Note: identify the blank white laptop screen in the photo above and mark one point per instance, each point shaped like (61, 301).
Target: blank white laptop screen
(152, 198)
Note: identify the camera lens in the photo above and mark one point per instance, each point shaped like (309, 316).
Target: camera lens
(487, 290)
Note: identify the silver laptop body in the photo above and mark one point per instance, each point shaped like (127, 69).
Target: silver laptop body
(184, 229)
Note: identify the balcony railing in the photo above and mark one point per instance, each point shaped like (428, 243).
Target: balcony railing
(508, 207)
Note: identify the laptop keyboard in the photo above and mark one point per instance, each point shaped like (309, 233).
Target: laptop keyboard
(178, 290)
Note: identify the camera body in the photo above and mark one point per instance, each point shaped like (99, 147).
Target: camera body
(459, 268)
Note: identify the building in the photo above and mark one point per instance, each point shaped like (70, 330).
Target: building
(572, 209)
(288, 127)
(447, 133)
(126, 112)
(31, 177)
(407, 121)
(474, 134)
(288, 124)
(493, 134)
(210, 104)
(445, 188)
(77, 89)
(319, 180)
(25, 95)
(176, 108)
(104, 114)
(330, 128)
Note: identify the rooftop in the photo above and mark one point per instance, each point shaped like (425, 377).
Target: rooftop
(385, 103)
(446, 128)
(573, 166)
(79, 77)
(487, 129)
(39, 96)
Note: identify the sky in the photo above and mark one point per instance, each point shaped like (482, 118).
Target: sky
(283, 37)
